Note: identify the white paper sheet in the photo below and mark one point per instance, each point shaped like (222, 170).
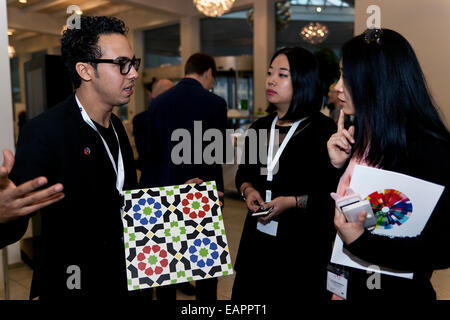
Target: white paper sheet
(406, 217)
(345, 258)
(423, 196)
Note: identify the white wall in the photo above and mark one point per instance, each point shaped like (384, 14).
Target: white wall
(6, 116)
(6, 126)
(426, 25)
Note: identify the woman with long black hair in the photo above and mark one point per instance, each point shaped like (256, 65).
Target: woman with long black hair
(290, 247)
(398, 128)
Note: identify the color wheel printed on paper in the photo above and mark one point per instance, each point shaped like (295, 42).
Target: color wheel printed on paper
(391, 207)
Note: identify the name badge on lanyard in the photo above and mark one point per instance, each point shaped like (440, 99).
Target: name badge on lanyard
(120, 171)
(272, 227)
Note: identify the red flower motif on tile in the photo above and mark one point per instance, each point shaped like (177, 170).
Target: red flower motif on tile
(195, 205)
(152, 260)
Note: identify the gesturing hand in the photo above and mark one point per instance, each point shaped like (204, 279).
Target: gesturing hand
(339, 144)
(18, 201)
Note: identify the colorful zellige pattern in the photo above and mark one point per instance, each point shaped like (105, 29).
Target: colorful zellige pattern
(174, 234)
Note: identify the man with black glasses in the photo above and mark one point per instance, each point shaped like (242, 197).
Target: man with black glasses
(83, 145)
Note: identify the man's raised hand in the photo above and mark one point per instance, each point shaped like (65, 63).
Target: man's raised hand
(19, 201)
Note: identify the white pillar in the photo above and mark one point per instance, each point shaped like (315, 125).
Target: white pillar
(189, 38)
(6, 114)
(263, 48)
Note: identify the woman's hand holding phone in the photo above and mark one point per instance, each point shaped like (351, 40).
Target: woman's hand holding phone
(253, 199)
(279, 205)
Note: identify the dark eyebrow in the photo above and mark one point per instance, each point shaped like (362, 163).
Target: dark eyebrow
(123, 57)
(285, 69)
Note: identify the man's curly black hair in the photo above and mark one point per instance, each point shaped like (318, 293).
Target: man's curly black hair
(79, 45)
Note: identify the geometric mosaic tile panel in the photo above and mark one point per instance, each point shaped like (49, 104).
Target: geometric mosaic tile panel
(174, 234)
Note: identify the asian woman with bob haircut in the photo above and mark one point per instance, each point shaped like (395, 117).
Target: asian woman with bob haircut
(289, 247)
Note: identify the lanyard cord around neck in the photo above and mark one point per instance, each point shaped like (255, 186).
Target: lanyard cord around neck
(120, 171)
(271, 160)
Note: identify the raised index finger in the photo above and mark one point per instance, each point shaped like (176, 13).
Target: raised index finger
(341, 121)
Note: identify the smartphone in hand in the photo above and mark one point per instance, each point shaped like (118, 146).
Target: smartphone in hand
(262, 211)
(352, 205)
(352, 211)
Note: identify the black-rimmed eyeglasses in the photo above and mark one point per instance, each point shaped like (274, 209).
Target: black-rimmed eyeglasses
(125, 63)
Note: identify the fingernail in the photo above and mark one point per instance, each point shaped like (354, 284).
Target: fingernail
(58, 188)
(41, 182)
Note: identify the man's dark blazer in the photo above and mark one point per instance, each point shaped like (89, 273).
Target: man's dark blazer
(176, 108)
(85, 228)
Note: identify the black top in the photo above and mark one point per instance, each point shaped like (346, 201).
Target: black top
(428, 159)
(110, 138)
(297, 256)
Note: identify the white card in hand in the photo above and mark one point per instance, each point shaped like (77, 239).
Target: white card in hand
(269, 228)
